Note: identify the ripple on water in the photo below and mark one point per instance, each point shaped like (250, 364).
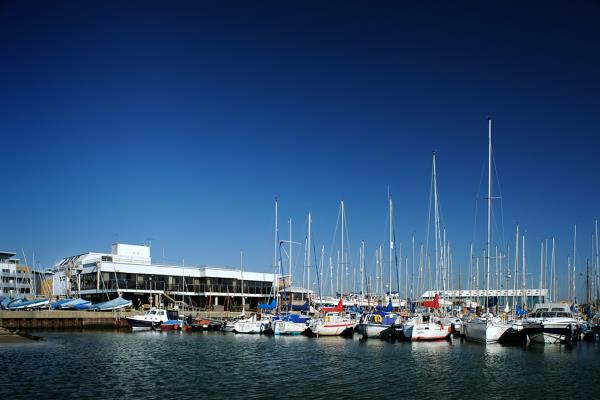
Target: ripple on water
(153, 365)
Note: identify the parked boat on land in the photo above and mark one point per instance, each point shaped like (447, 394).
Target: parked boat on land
(22, 304)
(111, 305)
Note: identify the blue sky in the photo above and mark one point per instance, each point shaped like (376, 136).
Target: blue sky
(182, 121)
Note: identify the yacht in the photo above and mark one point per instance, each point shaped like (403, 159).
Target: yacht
(551, 323)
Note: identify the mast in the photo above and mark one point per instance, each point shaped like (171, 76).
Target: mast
(412, 273)
(436, 228)
(515, 277)
(597, 262)
(489, 211)
(343, 264)
(553, 268)
(242, 268)
(524, 281)
(541, 267)
(290, 260)
(276, 247)
(391, 245)
(362, 268)
(308, 257)
(574, 262)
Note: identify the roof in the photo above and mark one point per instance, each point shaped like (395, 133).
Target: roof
(7, 253)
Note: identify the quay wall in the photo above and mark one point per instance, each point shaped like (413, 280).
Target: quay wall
(69, 319)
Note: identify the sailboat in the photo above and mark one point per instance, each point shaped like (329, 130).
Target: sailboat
(487, 328)
(333, 323)
(431, 324)
(382, 322)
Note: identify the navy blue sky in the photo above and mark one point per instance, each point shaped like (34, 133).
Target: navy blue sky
(181, 121)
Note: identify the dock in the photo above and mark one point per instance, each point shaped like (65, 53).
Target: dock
(70, 319)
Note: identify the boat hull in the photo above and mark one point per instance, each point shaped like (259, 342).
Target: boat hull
(248, 327)
(369, 330)
(332, 329)
(551, 333)
(484, 332)
(288, 328)
(429, 331)
(138, 325)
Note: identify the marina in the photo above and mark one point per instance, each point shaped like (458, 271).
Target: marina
(299, 200)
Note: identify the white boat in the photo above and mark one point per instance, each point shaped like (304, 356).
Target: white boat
(153, 318)
(551, 323)
(333, 324)
(373, 325)
(281, 327)
(251, 325)
(486, 329)
(430, 328)
(228, 326)
(407, 328)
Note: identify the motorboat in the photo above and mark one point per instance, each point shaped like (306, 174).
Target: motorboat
(153, 318)
(551, 323)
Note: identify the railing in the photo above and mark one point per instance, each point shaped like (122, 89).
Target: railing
(132, 284)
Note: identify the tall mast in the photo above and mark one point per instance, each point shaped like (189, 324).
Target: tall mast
(515, 277)
(276, 248)
(290, 256)
(524, 281)
(343, 264)
(412, 273)
(435, 208)
(308, 257)
(553, 269)
(574, 263)
(362, 268)
(545, 280)
(541, 267)
(391, 243)
(597, 262)
(489, 211)
(242, 268)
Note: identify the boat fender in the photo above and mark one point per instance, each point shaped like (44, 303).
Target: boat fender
(377, 319)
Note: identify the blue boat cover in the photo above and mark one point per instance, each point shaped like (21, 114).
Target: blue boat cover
(387, 308)
(519, 311)
(270, 306)
(113, 304)
(303, 307)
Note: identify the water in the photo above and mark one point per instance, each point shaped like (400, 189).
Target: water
(153, 365)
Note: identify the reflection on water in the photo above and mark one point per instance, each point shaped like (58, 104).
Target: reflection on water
(215, 365)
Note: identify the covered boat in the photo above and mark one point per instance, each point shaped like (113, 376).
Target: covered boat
(114, 304)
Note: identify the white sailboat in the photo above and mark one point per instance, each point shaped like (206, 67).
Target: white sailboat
(334, 322)
(429, 326)
(486, 328)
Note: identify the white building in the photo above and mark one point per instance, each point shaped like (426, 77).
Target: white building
(128, 270)
(15, 279)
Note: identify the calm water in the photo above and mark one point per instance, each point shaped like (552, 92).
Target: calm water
(153, 365)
